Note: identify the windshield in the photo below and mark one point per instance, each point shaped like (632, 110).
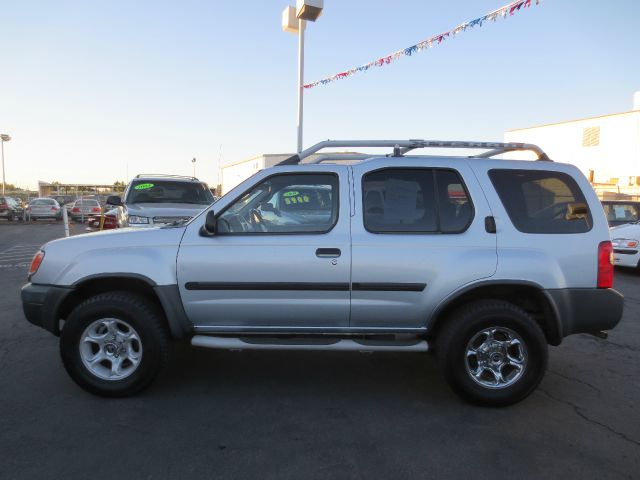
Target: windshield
(43, 201)
(162, 191)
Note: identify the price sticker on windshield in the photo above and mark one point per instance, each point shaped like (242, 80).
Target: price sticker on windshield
(144, 186)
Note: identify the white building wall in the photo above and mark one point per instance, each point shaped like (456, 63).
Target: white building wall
(617, 155)
(236, 173)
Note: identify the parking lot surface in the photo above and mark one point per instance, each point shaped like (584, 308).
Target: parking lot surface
(280, 415)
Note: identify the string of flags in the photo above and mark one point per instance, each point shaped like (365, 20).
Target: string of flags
(502, 12)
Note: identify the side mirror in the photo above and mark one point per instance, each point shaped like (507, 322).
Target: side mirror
(210, 226)
(114, 200)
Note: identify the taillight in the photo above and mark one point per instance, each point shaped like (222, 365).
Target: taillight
(75, 209)
(35, 263)
(605, 265)
(95, 209)
(54, 209)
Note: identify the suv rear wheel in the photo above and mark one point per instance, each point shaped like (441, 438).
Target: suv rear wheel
(492, 353)
(114, 344)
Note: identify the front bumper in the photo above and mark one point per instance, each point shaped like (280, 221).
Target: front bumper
(40, 302)
(587, 310)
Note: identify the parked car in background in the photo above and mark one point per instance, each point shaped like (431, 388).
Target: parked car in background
(19, 207)
(620, 212)
(40, 208)
(83, 208)
(162, 199)
(9, 209)
(626, 245)
(65, 200)
(114, 218)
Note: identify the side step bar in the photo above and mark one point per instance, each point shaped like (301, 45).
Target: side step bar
(343, 345)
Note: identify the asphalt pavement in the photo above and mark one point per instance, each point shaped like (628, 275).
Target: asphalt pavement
(294, 415)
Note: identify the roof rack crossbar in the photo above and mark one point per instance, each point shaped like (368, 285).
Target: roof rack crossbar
(542, 156)
(404, 146)
(162, 175)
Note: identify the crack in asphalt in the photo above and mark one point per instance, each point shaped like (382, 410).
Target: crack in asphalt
(578, 412)
(598, 391)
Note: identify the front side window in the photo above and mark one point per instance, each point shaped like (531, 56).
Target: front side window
(163, 191)
(542, 201)
(415, 201)
(303, 203)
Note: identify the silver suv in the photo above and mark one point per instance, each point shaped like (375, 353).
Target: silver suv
(485, 261)
(162, 199)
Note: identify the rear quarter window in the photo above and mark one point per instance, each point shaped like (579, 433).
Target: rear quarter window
(539, 201)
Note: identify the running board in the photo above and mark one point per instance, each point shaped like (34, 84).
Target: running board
(343, 345)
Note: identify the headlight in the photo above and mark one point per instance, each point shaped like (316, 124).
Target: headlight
(625, 243)
(137, 219)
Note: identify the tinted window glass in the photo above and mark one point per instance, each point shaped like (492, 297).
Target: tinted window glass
(619, 213)
(285, 204)
(43, 201)
(86, 203)
(453, 202)
(400, 200)
(163, 191)
(542, 201)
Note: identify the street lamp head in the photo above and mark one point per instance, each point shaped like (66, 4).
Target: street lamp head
(193, 161)
(4, 137)
(289, 20)
(309, 9)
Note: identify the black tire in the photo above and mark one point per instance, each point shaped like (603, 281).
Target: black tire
(464, 325)
(10, 217)
(138, 312)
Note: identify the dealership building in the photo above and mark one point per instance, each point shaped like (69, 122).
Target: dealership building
(606, 148)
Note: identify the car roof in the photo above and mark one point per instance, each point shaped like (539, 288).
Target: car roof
(165, 178)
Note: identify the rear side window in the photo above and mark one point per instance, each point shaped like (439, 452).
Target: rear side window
(412, 200)
(542, 201)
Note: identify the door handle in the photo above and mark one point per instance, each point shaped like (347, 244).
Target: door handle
(328, 252)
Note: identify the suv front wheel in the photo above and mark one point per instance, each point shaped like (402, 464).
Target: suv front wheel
(114, 344)
(492, 353)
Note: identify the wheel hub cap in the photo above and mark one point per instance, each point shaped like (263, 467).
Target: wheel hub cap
(110, 349)
(496, 357)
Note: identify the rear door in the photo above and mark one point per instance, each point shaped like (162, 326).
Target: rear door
(280, 260)
(418, 235)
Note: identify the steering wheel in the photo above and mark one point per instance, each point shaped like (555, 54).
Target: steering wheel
(257, 222)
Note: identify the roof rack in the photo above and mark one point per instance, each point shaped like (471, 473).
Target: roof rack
(162, 175)
(400, 147)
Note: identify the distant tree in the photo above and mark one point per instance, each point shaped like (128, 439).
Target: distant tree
(10, 187)
(119, 186)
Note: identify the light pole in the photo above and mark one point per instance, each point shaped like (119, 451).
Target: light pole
(3, 138)
(194, 166)
(294, 21)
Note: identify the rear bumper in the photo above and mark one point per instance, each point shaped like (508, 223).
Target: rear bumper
(587, 310)
(39, 304)
(626, 257)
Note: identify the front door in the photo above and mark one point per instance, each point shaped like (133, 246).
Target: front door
(280, 260)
